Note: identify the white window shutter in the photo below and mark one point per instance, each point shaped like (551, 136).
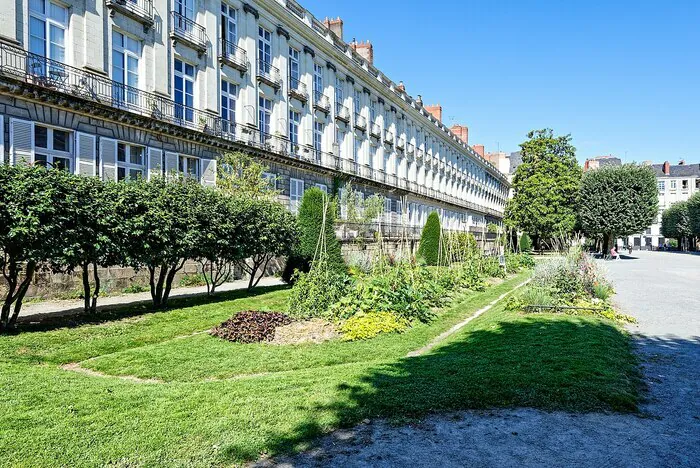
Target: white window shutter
(85, 154)
(155, 163)
(108, 159)
(21, 141)
(171, 163)
(208, 172)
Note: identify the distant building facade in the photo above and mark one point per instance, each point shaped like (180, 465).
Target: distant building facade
(601, 161)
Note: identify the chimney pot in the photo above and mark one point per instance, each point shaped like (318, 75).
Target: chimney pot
(667, 168)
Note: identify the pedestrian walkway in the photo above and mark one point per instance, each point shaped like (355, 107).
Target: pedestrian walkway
(38, 310)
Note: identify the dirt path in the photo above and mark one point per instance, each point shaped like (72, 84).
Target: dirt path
(661, 291)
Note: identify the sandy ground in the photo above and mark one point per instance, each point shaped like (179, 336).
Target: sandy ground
(661, 290)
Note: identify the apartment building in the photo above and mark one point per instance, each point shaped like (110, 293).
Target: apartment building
(676, 182)
(122, 88)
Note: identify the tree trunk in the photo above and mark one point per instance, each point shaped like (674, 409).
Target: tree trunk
(169, 281)
(86, 286)
(96, 291)
(157, 286)
(264, 267)
(21, 292)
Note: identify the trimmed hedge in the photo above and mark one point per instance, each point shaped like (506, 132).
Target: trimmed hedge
(429, 248)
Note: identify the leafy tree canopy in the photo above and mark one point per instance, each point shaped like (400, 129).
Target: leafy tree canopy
(546, 186)
(694, 213)
(675, 221)
(242, 175)
(618, 201)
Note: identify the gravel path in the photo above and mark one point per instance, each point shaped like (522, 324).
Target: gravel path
(662, 291)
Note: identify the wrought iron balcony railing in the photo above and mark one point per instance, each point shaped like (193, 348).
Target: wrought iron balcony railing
(342, 112)
(267, 73)
(140, 10)
(233, 56)
(19, 65)
(360, 122)
(400, 143)
(410, 149)
(375, 130)
(297, 89)
(185, 30)
(322, 102)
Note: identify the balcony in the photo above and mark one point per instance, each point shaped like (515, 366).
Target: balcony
(375, 131)
(360, 122)
(233, 56)
(140, 10)
(400, 143)
(410, 149)
(420, 154)
(185, 30)
(297, 89)
(342, 112)
(388, 137)
(269, 75)
(322, 102)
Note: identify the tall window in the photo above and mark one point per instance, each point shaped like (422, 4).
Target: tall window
(339, 93)
(188, 166)
(318, 80)
(294, 122)
(184, 91)
(357, 150)
(264, 50)
(264, 116)
(318, 138)
(130, 161)
(52, 148)
(126, 52)
(372, 112)
(387, 159)
(294, 72)
(296, 191)
(339, 139)
(48, 23)
(229, 28)
(229, 95)
(373, 149)
(185, 8)
(356, 100)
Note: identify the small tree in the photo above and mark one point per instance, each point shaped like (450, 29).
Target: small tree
(546, 187)
(34, 211)
(525, 243)
(618, 201)
(158, 228)
(270, 232)
(694, 214)
(675, 222)
(429, 247)
(241, 175)
(310, 220)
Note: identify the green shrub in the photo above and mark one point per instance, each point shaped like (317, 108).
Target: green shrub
(135, 288)
(525, 243)
(310, 220)
(364, 326)
(314, 292)
(429, 247)
(192, 280)
(602, 291)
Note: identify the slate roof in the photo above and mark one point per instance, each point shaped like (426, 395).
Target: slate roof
(678, 170)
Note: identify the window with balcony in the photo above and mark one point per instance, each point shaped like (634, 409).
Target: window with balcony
(318, 79)
(52, 148)
(357, 150)
(318, 137)
(264, 50)
(48, 25)
(188, 166)
(126, 55)
(229, 97)
(339, 140)
(339, 95)
(264, 117)
(357, 102)
(294, 68)
(184, 91)
(229, 26)
(294, 123)
(185, 8)
(130, 161)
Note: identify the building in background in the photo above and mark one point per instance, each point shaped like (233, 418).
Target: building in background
(675, 183)
(126, 88)
(601, 161)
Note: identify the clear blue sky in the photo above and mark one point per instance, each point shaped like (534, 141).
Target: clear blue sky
(623, 77)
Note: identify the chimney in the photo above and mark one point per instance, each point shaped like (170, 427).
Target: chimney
(401, 87)
(462, 132)
(365, 49)
(479, 149)
(335, 25)
(681, 162)
(419, 101)
(436, 110)
(667, 168)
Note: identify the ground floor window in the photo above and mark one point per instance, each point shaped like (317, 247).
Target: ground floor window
(52, 148)
(271, 180)
(130, 161)
(323, 187)
(296, 191)
(188, 166)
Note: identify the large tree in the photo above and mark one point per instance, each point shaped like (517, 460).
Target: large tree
(546, 187)
(618, 201)
(675, 222)
(694, 213)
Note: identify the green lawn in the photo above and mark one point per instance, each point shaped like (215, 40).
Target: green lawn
(224, 403)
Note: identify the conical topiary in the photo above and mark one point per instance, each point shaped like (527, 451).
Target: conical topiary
(310, 222)
(429, 248)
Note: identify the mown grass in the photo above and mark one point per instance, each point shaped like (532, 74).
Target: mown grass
(54, 417)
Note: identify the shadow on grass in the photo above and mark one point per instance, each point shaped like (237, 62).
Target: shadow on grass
(538, 362)
(77, 317)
